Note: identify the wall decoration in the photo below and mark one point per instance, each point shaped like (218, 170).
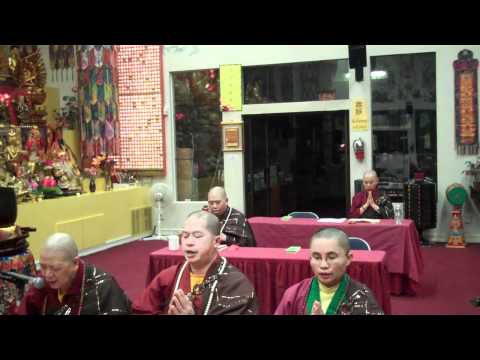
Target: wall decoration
(232, 136)
(62, 62)
(466, 103)
(98, 101)
(22, 80)
(231, 87)
(141, 107)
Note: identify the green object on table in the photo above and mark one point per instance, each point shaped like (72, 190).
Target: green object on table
(286, 218)
(293, 249)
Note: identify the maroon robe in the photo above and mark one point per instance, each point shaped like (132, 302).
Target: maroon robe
(92, 292)
(358, 299)
(234, 294)
(385, 206)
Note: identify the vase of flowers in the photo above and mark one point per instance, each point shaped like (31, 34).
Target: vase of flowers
(92, 174)
(101, 165)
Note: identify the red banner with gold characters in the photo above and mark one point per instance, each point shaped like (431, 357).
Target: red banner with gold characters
(466, 103)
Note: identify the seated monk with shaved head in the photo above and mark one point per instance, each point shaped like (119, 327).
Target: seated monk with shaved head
(72, 287)
(371, 203)
(235, 229)
(205, 283)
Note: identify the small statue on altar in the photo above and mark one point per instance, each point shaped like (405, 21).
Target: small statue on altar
(2, 153)
(13, 151)
(53, 147)
(456, 236)
(35, 145)
(66, 172)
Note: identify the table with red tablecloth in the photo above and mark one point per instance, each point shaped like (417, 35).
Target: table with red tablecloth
(400, 242)
(273, 270)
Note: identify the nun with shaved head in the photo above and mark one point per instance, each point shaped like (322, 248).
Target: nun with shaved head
(371, 203)
(330, 291)
(72, 287)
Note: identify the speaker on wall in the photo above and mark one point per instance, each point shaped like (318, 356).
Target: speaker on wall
(357, 55)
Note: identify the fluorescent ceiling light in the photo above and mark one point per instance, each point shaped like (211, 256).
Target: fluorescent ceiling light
(375, 75)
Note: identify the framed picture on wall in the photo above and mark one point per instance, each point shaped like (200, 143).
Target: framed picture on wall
(232, 136)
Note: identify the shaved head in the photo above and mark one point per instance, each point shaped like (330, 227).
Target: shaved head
(335, 234)
(370, 173)
(63, 243)
(217, 201)
(219, 192)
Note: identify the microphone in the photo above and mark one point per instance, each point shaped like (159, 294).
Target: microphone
(37, 282)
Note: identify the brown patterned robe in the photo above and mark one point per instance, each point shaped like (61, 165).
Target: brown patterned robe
(93, 292)
(236, 229)
(232, 295)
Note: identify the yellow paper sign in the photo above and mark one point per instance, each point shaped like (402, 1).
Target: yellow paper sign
(231, 87)
(359, 115)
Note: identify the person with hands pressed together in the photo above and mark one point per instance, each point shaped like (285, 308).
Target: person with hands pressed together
(205, 283)
(371, 203)
(330, 291)
(235, 229)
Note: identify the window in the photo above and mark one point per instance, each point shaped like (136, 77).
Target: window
(199, 154)
(309, 81)
(404, 116)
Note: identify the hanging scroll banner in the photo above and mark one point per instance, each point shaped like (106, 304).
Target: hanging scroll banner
(231, 87)
(466, 103)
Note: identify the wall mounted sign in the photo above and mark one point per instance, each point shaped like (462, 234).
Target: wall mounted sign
(466, 103)
(232, 136)
(359, 115)
(231, 87)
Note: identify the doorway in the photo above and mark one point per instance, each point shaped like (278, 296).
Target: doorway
(297, 162)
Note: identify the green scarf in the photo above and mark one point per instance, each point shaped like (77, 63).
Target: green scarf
(314, 295)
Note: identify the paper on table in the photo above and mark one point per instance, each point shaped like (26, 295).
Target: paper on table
(371, 221)
(332, 220)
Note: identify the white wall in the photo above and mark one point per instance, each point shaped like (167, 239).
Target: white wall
(450, 165)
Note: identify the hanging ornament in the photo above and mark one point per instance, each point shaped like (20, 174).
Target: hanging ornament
(52, 50)
(98, 50)
(70, 53)
(61, 60)
(84, 57)
(107, 52)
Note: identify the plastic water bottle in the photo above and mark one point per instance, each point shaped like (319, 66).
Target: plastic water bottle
(398, 213)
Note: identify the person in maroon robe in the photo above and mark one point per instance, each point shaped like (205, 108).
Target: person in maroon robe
(72, 287)
(205, 284)
(371, 203)
(235, 229)
(330, 291)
